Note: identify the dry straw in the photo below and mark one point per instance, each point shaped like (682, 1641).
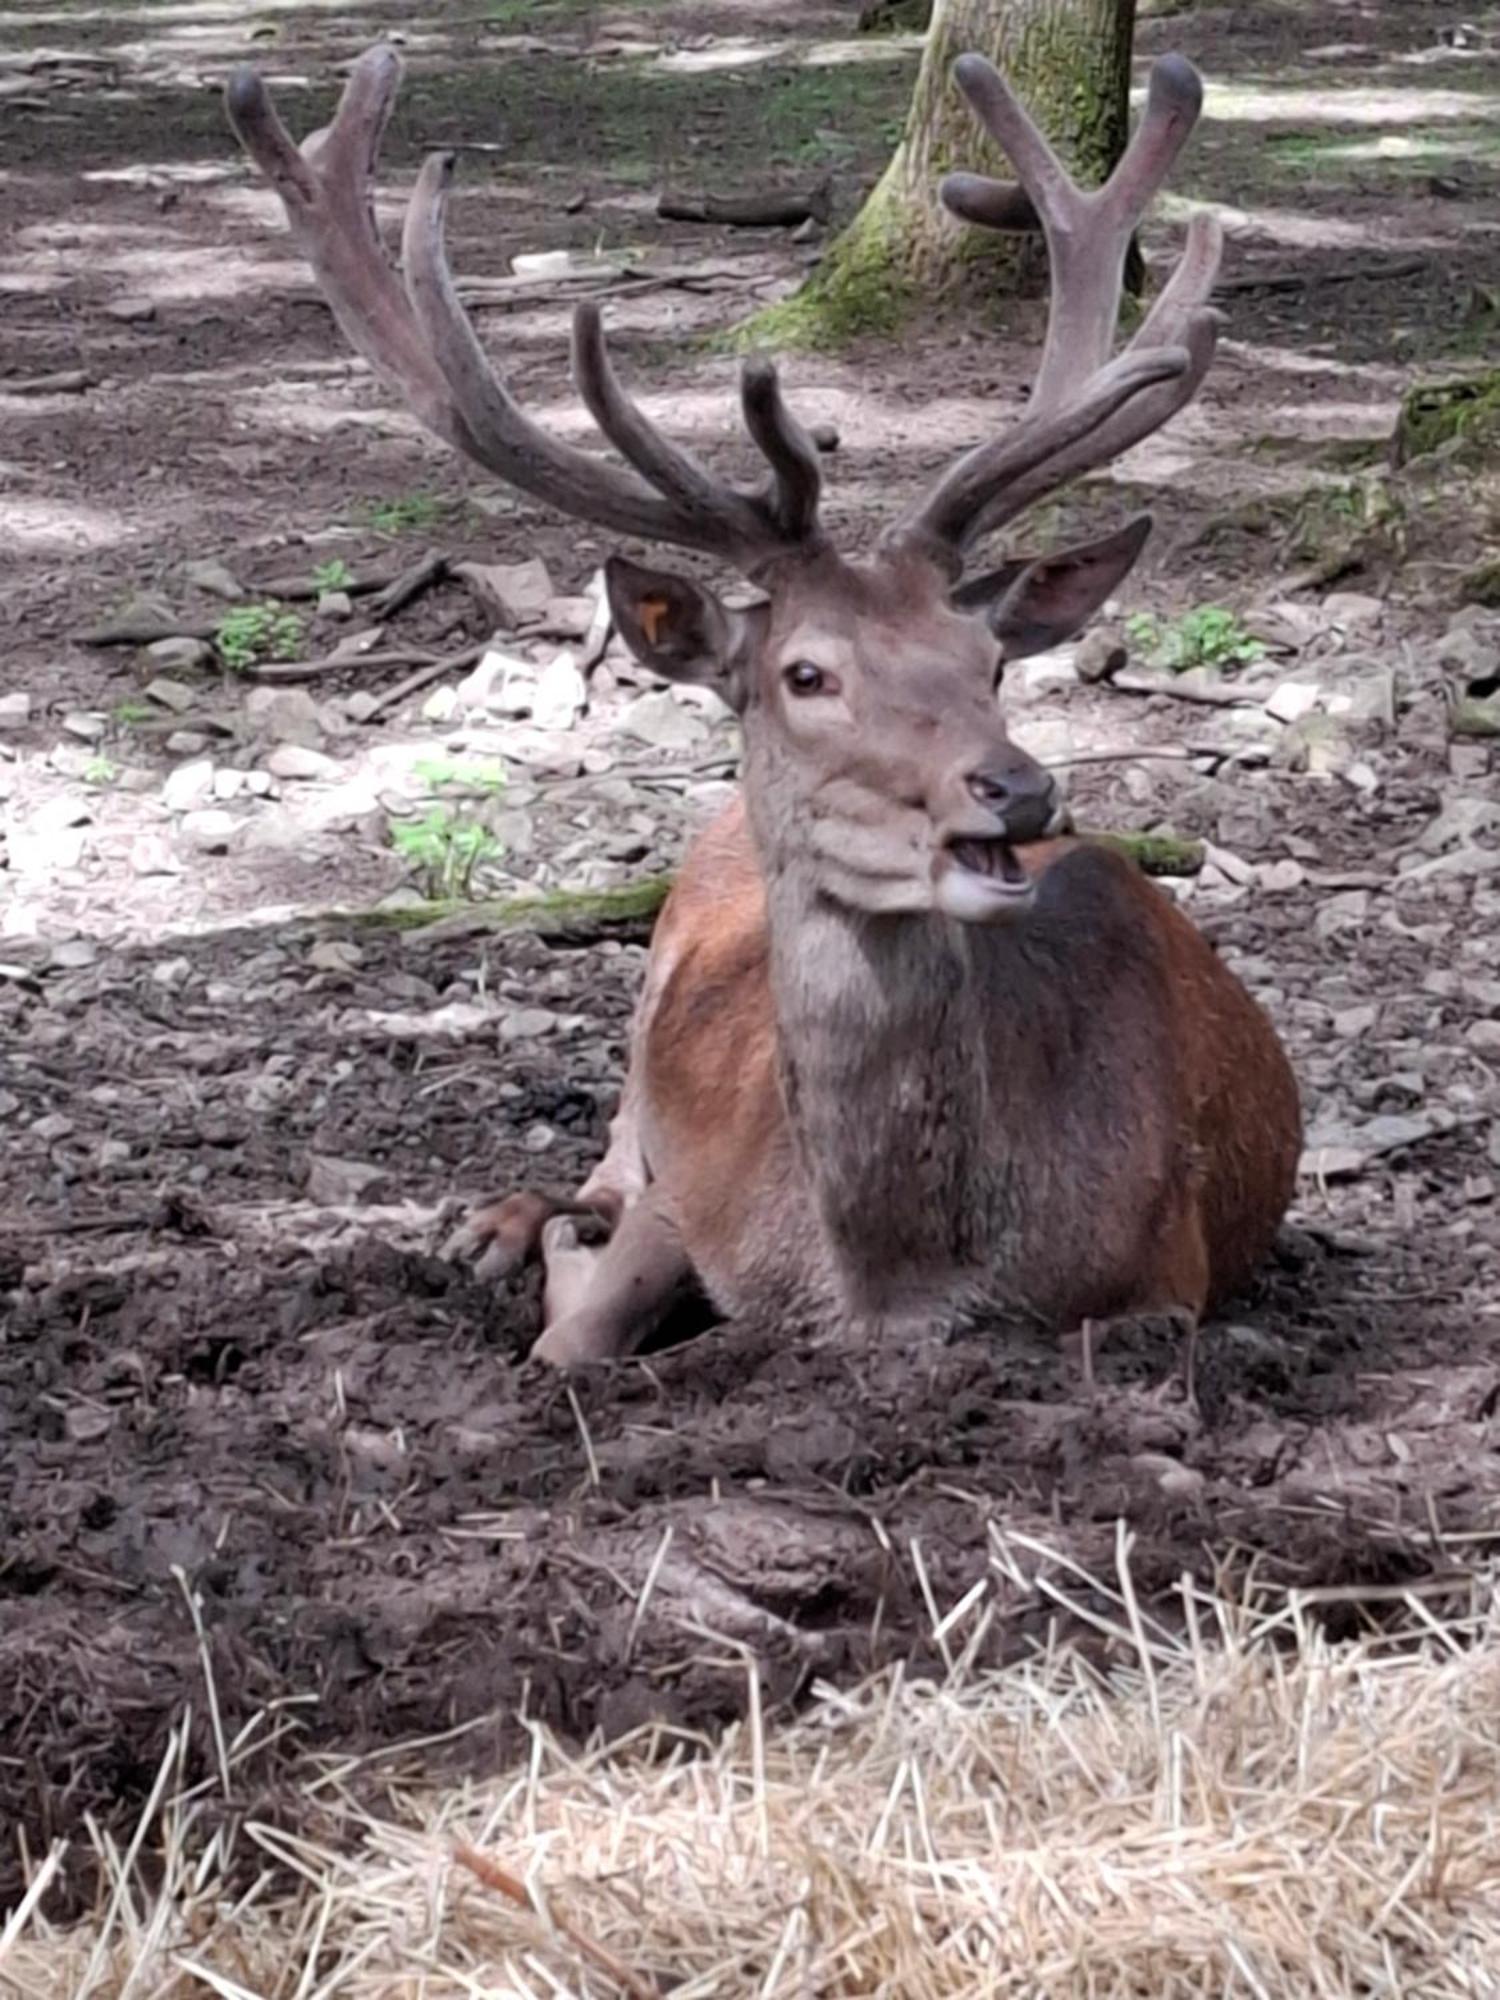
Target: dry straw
(1239, 1808)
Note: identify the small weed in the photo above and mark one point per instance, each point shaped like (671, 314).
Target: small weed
(406, 514)
(128, 713)
(1207, 636)
(100, 771)
(251, 632)
(332, 575)
(444, 847)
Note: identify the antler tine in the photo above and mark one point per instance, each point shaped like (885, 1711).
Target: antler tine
(420, 339)
(786, 447)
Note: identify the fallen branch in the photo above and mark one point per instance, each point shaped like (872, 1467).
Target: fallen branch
(145, 631)
(430, 667)
(1203, 697)
(636, 1984)
(1296, 281)
(411, 583)
(62, 382)
(772, 210)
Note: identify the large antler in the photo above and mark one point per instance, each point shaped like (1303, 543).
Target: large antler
(417, 335)
(1085, 408)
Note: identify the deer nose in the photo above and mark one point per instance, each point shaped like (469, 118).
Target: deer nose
(1021, 795)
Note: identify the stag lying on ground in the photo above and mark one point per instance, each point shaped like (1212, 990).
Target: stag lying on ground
(901, 1051)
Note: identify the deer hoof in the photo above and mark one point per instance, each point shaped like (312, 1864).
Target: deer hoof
(500, 1237)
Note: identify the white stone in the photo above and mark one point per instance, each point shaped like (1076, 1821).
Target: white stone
(167, 693)
(284, 715)
(209, 830)
(1291, 700)
(441, 705)
(86, 724)
(178, 655)
(561, 695)
(150, 855)
(15, 709)
(296, 760)
(189, 785)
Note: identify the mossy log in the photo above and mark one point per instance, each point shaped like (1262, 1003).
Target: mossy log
(634, 904)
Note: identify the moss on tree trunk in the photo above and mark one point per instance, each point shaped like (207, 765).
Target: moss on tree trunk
(1069, 61)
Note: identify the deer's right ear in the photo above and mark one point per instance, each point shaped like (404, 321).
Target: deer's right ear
(678, 628)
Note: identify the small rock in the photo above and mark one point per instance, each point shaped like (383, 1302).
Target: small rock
(335, 955)
(73, 953)
(335, 604)
(1354, 1022)
(214, 577)
(46, 850)
(15, 709)
(361, 705)
(179, 655)
(209, 830)
(85, 1423)
(51, 1127)
(1289, 701)
(539, 1138)
(113, 1153)
(186, 742)
(512, 593)
(441, 705)
(175, 695)
(296, 760)
(151, 855)
(132, 309)
(1484, 1036)
(524, 1024)
(1233, 866)
(86, 724)
(1351, 607)
(172, 972)
(261, 784)
(57, 814)
(570, 617)
(1343, 912)
(284, 715)
(500, 684)
(663, 723)
(1278, 877)
(338, 1183)
(560, 694)
(1100, 654)
(189, 785)
(228, 783)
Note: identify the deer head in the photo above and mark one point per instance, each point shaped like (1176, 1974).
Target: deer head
(878, 767)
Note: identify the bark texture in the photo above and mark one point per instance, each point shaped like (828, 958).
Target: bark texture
(1069, 60)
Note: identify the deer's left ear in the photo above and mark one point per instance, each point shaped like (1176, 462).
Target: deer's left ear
(1031, 606)
(679, 629)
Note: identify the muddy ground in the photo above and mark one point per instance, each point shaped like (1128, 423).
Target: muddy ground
(234, 1368)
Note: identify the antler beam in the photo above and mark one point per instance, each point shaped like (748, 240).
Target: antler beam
(418, 337)
(1085, 408)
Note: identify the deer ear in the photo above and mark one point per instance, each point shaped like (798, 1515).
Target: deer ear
(1036, 605)
(675, 626)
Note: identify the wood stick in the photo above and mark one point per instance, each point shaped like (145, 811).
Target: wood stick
(772, 210)
(636, 1984)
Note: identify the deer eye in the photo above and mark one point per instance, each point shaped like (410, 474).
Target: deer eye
(803, 678)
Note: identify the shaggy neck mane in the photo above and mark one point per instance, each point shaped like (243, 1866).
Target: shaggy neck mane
(886, 1051)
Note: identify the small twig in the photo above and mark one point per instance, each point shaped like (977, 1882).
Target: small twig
(302, 589)
(195, 1612)
(433, 670)
(288, 673)
(636, 1984)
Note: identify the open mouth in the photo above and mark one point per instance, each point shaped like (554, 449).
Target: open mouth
(995, 860)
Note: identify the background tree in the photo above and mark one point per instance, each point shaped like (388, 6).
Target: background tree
(1069, 62)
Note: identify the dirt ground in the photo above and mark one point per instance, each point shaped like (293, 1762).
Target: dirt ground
(267, 1458)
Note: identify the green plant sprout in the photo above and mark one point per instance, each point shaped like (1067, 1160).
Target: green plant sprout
(444, 848)
(251, 632)
(1207, 636)
(335, 574)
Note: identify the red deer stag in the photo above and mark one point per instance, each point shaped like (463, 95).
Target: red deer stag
(901, 1051)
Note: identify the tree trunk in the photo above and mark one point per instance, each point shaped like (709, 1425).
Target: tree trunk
(1069, 62)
